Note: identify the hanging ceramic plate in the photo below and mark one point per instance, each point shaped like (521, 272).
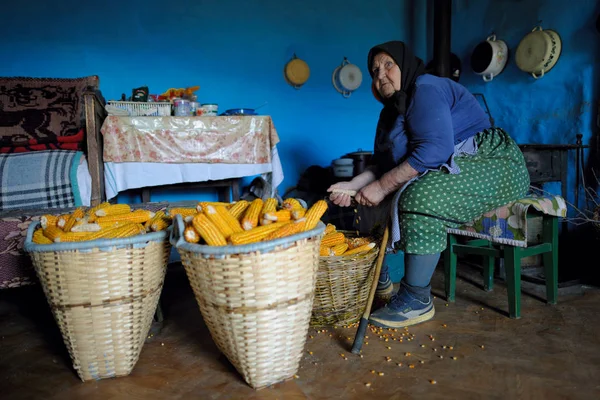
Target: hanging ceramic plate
(297, 72)
(538, 51)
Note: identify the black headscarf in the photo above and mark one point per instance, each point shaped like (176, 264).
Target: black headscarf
(410, 66)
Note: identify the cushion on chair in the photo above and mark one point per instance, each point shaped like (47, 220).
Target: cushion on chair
(508, 224)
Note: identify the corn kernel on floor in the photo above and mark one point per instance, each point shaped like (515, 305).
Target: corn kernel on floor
(469, 350)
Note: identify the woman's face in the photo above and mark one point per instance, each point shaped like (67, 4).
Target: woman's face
(386, 75)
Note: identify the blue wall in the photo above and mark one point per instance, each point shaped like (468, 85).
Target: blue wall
(235, 50)
(549, 110)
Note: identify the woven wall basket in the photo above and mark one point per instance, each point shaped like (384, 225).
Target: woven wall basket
(103, 295)
(256, 299)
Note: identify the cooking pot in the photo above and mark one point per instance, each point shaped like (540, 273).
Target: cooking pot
(361, 160)
(346, 78)
(538, 51)
(489, 58)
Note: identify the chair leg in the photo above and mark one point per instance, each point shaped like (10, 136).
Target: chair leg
(550, 259)
(450, 261)
(488, 271)
(512, 263)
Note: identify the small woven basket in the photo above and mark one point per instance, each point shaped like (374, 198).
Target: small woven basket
(256, 299)
(103, 295)
(342, 289)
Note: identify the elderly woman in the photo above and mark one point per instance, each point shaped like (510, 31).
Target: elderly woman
(437, 164)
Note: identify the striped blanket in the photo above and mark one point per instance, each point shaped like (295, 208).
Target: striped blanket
(42, 179)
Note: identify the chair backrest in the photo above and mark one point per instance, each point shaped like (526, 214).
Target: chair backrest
(42, 110)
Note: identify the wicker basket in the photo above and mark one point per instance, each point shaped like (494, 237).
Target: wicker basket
(255, 299)
(342, 288)
(143, 109)
(103, 294)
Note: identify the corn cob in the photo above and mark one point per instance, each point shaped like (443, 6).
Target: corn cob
(288, 229)
(331, 239)
(184, 212)
(330, 228)
(280, 216)
(298, 213)
(137, 216)
(62, 220)
(250, 219)
(357, 242)
(47, 220)
(157, 215)
(269, 206)
(255, 235)
(217, 220)
(199, 206)
(161, 223)
(291, 204)
(324, 251)
(52, 232)
(314, 214)
(91, 213)
(39, 238)
(208, 231)
(264, 222)
(191, 235)
(113, 209)
(72, 237)
(74, 217)
(233, 223)
(237, 209)
(360, 249)
(111, 224)
(89, 227)
(339, 249)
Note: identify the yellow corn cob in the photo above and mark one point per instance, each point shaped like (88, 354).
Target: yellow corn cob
(39, 238)
(331, 239)
(357, 242)
(255, 235)
(330, 228)
(360, 249)
(291, 204)
(113, 209)
(191, 235)
(157, 215)
(93, 227)
(265, 222)
(199, 206)
(73, 237)
(233, 223)
(269, 206)
(217, 220)
(184, 212)
(47, 220)
(137, 216)
(62, 220)
(339, 249)
(325, 251)
(298, 213)
(161, 224)
(314, 214)
(91, 213)
(280, 216)
(76, 216)
(250, 219)
(52, 232)
(208, 231)
(288, 229)
(237, 209)
(111, 224)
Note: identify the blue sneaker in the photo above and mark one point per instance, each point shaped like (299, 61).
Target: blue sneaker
(385, 287)
(404, 309)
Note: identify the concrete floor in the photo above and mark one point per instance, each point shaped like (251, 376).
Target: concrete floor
(552, 352)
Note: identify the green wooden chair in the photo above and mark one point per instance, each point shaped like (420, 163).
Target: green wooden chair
(502, 233)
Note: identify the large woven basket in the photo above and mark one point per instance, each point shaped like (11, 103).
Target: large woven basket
(103, 294)
(255, 299)
(342, 288)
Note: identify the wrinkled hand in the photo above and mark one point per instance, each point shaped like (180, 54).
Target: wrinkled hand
(371, 195)
(342, 199)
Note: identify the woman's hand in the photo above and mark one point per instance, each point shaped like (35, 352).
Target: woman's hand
(371, 195)
(342, 199)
